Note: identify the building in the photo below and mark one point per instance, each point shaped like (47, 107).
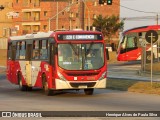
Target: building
(6, 22)
(44, 15)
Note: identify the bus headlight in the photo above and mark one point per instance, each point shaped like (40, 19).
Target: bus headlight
(61, 76)
(103, 75)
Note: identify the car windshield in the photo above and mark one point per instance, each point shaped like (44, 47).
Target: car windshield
(81, 56)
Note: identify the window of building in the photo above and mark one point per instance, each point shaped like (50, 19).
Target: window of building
(77, 15)
(94, 16)
(37, 3)
(63, 13)
(45, 13)
(45, 27)
(71, 15)
(95, 3)
(36, 28)
(26, 2)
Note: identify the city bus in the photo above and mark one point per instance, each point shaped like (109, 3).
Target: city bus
(58, 60)
(130, 46)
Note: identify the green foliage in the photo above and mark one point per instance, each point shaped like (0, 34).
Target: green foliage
(108, 25)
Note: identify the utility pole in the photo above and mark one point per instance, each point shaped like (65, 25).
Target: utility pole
(81, 13)
(66, 8)
(157, 42)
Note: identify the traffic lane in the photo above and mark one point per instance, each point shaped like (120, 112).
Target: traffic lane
(102, 100)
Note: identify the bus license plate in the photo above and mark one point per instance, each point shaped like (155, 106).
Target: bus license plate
(82, 86)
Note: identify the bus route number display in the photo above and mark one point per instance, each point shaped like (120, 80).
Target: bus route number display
(80, 37)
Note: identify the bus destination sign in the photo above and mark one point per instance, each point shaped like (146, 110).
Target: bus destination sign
(80, 37)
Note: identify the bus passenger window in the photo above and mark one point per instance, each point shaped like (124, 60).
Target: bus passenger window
(43, 49)
(22, 50)
(36, 50)
(43, 54)
(132, 42)
(36, 54)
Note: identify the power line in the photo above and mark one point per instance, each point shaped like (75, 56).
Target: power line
(135, 9)
(139, 17)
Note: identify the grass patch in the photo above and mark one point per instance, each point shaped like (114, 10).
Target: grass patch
(120, 84)
(134, 86)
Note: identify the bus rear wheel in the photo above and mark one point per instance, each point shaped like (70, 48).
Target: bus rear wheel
(21, 86)
(88, 91)
(47, 91)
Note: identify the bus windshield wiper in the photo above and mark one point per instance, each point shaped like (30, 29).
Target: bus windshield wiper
(88, 51)
(74, 49)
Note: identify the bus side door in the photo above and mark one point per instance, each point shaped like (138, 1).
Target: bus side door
(10, 62)
(28, 64)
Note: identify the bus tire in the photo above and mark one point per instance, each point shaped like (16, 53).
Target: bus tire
(89, 91)
(47, 91)
(148, 57)
(29, 88)
(21, 86)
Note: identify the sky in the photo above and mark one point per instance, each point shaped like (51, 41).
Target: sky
(145, 12)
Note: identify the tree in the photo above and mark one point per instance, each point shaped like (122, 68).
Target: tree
(108, 25)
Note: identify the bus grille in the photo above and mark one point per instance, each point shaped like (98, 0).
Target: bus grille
(92, 84)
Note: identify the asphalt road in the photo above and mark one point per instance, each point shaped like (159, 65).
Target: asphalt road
(11, 99)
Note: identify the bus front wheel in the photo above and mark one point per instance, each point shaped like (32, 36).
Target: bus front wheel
(88, 91)
(47, 91)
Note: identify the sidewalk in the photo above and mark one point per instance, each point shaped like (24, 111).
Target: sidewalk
(2, 72)
(133, 75)
(2, 69)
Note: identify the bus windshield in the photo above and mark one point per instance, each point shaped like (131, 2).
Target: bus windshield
(81, 56)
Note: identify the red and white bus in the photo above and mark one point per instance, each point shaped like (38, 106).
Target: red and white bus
(58, 60)
(130, 46)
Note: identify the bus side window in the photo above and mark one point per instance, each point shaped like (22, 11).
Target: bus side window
(44, 49)
(132, 42)
(22, 50)
(36, 51)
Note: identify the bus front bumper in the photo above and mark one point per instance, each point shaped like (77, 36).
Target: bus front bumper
(61, 84)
